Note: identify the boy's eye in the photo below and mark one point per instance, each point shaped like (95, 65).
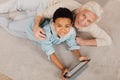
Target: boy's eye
(58, 25)
(67, 26)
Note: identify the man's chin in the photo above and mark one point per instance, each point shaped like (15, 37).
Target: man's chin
(78, 27)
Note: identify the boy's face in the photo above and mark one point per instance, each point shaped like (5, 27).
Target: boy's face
(62, 26)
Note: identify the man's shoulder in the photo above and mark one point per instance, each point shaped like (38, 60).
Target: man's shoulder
(94, 25)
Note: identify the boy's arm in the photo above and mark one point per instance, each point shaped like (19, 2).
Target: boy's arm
(79, 56)
(56, 61)
(76, 53)
(49, 49)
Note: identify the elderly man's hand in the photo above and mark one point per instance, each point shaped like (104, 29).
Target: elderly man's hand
(39, 33)
(80, 41)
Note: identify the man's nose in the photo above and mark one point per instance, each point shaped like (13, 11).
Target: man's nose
(84, 22)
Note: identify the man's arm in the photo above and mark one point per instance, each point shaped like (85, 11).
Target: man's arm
(89, 42)
(101, 38)
(48, 13)
(38, 32)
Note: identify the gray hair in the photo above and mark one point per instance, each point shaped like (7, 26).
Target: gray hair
(94, 7)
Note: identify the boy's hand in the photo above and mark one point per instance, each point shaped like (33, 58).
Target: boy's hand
(84, 58)
(39, 33)
(63, 73)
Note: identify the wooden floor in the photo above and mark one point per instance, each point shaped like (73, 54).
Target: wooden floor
(4, 77)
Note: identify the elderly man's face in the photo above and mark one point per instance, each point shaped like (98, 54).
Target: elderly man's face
(85, 18)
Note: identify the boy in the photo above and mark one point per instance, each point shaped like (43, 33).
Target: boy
(57, 31)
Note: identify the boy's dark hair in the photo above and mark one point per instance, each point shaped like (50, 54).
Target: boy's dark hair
(63, 13)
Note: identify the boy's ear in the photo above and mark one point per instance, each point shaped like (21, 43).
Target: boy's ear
(53, 23)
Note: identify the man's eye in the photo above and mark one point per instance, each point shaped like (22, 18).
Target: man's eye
(89, 21)
(84, 15)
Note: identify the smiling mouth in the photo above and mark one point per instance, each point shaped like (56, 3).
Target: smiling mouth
(62, 34)
(78, 24)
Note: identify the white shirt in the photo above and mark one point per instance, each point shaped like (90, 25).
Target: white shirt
(102, 38)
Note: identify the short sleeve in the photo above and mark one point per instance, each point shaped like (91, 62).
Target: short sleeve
(47, 47)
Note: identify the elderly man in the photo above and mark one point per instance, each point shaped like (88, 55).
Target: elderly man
(85, 18)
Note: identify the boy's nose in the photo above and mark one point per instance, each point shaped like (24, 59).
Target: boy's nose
(63, 29)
